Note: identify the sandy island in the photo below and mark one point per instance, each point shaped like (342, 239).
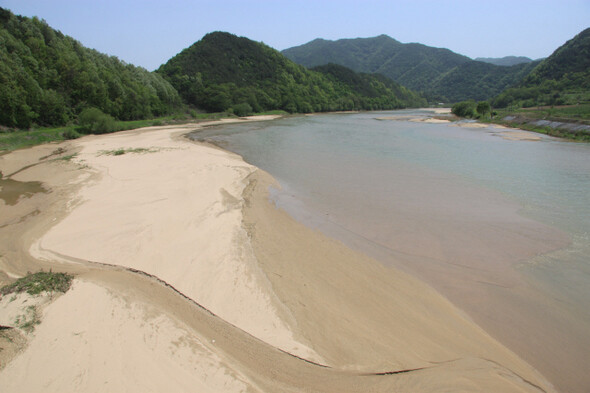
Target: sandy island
(189, 279)
(442, 115)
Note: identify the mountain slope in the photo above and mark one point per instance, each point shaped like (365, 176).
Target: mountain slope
(358, 54)
(412, 65)
(562, 78)
(573, 57)
(222, 71)
(505, 61)
(437, 72)
(477, 80)
(370, 87)
(48, 78)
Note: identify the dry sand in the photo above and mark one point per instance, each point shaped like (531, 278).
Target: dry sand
(172, 209)
(512, 134)
(236, 296)
(426, 117)
(439, 111)
(518, 135)
(470, 124)
(414, 119)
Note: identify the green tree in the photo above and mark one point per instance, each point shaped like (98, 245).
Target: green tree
(483, 108)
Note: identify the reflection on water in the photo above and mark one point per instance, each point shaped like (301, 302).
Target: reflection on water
(477, 216)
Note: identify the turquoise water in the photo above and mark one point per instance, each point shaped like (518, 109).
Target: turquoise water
(485, 220)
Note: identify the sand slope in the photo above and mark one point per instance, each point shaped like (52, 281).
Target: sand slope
(94, 340)
(172, 208)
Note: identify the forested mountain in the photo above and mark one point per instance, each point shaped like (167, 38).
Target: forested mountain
(358, 54)
(369, 85)
(477, 80)
(562, 78)
(505, 61)
(223, 71)
(440, 74)
(48, 78)
(412, 65)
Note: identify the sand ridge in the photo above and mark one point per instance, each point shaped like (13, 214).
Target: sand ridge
(245, 288)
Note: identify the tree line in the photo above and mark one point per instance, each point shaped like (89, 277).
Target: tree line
(48, 79)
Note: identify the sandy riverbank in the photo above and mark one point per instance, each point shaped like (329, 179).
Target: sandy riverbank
(251, 287)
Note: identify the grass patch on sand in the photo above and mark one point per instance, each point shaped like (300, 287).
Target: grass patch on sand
(120, 152)
(36, 283)
(68, 158)
(28, 320)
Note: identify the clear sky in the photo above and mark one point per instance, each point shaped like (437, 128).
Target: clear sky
(148, 32)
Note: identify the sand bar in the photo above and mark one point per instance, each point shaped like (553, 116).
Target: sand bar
(248, 286)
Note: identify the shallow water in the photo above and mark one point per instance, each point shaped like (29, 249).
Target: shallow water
(500, 227)
(11, 191)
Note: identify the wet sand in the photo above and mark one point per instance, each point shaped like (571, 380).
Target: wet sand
(178, 250)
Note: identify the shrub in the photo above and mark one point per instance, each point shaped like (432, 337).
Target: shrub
(243, 109)
(94, 121)
(464, 109)
(71, 134)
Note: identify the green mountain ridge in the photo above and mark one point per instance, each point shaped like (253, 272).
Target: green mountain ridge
(477, 80)
(439, 73)
(48, 78)
(506, 61)
(222, 71)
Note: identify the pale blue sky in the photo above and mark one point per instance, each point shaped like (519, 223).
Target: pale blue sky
(147, 33)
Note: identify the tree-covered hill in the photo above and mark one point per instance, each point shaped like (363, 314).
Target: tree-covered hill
(223, 71)
(358, 54)
(412, 65)
(370, 88)
(47, 78)
(562, 78)
(440, 74)
(476, 80)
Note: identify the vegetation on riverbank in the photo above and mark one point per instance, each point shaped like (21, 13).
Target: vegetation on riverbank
(571, 122)
(13, 139)
(48, 79)
(472, 109)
